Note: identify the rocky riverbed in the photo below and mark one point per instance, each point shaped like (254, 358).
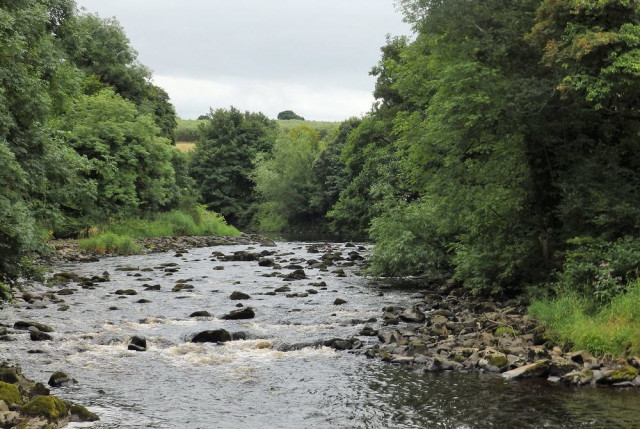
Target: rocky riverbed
(285, 300)
(448, 330)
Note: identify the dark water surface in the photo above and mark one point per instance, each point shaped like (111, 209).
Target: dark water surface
(253, 383)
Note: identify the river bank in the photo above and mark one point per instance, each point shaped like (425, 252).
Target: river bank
(310, 309)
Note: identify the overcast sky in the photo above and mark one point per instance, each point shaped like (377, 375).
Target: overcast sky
(309, 56)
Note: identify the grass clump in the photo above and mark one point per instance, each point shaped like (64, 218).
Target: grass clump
(613, 328)
(111, 243)
(119, 237)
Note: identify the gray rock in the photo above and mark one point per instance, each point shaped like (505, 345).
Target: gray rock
(535, 369)
(412, 315)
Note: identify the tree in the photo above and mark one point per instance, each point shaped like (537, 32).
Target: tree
(285, 177)
(288, 115)
(223, 160)
(130, 161)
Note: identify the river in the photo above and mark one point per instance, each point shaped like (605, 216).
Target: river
(265, 381)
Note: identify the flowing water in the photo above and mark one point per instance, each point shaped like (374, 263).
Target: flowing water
(256, 383)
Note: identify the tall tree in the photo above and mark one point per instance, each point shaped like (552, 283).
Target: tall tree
(223, 160)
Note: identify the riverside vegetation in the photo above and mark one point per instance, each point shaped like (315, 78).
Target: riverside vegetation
(502, 153)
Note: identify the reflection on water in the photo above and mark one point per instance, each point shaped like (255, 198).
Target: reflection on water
(253, 383)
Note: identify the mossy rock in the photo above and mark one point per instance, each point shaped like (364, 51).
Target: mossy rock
(49, 407)
(80, 413)
(10, 394)
(498, 360)
(626, 373)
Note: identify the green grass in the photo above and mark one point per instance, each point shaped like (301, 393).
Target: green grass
(111, 243)
(118, 237)
(612, 329)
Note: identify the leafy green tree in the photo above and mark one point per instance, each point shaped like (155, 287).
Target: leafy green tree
(222, 163)
(40, 175)
(285, 178)
(130, 162)
(288, 115)
(101, 49)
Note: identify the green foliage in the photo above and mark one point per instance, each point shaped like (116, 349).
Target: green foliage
(289, 115)
(407, 242)
(612, 328)
(130, 162)
(223, 160)
(600, 269)
(111, 243)
(285, 178)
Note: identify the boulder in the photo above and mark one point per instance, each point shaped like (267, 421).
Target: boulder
(339, 301)
(201, 313)
(579, 377)
(26, 325)
(36, 335)
(59, 379)
(620, 375)
(237, 295)
(48, 407)
(213, 336)
(295, 275)
(535, 369)
(412, 315)
(126, 292)
(243, 313)
(138, 344)
(368, 331)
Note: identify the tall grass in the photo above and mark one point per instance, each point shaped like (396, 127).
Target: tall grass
(118, 237)
(111, 243)
(612, 329)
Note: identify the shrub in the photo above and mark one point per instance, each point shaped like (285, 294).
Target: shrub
(599, 268)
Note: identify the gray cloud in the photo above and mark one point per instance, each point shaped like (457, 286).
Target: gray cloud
(269, 52)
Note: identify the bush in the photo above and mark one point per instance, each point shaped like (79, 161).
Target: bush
(598, 268)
